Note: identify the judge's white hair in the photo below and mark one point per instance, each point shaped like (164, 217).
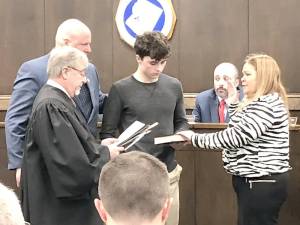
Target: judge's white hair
(70, 27)
(10, 209)
(64, 57)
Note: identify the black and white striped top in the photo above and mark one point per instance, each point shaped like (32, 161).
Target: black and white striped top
(256, 142)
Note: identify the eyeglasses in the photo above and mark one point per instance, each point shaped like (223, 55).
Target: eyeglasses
(81, 72)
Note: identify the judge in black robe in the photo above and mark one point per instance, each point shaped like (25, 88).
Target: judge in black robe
(62, 161)
(61, 164)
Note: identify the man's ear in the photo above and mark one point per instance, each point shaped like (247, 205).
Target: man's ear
(102, 212)
(166, 209)
(66, 41)
(138, 58)
(64, 73)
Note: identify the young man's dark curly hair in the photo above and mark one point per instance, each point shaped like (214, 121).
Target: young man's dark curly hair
(153, 44)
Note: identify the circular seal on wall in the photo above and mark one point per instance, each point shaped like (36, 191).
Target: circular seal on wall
(134, 17)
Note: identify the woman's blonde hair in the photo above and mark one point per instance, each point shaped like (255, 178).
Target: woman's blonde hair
(268, 77)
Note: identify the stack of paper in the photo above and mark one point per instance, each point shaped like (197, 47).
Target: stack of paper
(135, 132)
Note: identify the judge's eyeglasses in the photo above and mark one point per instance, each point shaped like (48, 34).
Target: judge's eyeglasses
(81, 72)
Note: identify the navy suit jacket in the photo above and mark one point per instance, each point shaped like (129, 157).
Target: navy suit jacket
(31, 76)
(206, 107)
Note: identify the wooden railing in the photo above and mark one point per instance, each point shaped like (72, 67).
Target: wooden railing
(4, 101)
(189, 103)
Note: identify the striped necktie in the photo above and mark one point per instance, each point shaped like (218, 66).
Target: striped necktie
(84, 101)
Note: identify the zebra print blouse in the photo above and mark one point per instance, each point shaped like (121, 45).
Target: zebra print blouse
(256, 142)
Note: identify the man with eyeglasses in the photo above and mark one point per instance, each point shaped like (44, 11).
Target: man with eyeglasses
(62, 160)
(32, 76)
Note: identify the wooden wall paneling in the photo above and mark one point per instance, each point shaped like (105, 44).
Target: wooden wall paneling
(124, 62)
(290, 210)
(2, 116)
(6, 177)
(173, 64)
(97, 15)
(215, 200)
(211, 32)
(275, 30)
(187, 187)
(57, 11)
(102, 41)
(22, 37)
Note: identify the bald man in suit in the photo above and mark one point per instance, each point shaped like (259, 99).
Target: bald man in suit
(208, 103)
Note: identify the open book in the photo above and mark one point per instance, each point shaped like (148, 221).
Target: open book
(135, 132)
(169, 139)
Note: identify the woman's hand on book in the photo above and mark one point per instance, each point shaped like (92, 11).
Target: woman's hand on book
(187, 134)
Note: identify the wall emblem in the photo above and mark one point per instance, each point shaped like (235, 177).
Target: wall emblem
(134, 17)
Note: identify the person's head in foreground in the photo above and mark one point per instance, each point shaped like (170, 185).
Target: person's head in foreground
(152, 51)
(134, 190)
(67, 66)
(10, 209)
(224, 73)
(261, 76)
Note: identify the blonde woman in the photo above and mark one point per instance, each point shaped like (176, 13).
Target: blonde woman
(256, 143)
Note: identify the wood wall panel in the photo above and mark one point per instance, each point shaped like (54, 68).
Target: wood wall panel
(102, 31)
(124, 63)
(211, 32)
(173, 64)
(22, 37)
(187, 187)
(291, 208)
(274, 28)
(97, 15)
(214, 189)
(207, 32)
(6, 177)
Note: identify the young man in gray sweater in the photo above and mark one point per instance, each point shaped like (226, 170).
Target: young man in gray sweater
(149, 96)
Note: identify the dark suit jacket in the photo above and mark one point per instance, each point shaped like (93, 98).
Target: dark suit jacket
(206, 107)
(31, 76)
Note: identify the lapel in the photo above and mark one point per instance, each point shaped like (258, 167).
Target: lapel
(214, 108)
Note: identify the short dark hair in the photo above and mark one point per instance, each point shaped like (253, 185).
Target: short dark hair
(153, 44)
(134, 184)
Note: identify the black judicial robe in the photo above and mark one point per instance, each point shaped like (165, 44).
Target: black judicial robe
(61, 164)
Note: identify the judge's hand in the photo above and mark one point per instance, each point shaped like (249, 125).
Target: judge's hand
(114, 150)
(18, 176)
(109, 141)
